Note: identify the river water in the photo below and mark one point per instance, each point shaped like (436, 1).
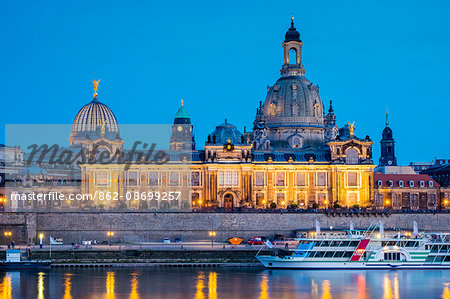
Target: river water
(223, 283)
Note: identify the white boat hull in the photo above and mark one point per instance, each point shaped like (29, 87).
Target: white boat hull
(271, 262)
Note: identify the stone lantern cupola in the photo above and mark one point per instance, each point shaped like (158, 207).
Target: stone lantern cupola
(292, 42)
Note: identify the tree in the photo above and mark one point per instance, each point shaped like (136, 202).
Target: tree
(273, 205)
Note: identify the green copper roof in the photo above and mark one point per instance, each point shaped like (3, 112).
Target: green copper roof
(182, 113)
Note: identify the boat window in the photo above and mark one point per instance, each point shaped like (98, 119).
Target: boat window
(345, 243)
(348, 254)
(334, 243)
(329, 254)
(339, 254)
(410, 244)
(325, 243)
(392, 256)
(320, 254)
(354, 243)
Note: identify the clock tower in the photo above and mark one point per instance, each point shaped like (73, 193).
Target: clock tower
(387, 146)
(182, 131)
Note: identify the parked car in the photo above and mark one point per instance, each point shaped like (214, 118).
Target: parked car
(166, 240)
(256, 241)
(178, 240)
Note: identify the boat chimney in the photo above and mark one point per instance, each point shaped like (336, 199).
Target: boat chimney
(352, 225)
(416, 228)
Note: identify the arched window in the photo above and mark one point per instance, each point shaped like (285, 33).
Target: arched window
(351, 156)
(292, 56)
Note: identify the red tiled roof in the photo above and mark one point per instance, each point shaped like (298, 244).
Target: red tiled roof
(396, 178)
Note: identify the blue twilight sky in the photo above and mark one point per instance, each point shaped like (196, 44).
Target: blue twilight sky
(219, 56)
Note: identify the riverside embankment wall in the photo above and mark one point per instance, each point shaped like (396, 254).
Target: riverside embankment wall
(142, 227)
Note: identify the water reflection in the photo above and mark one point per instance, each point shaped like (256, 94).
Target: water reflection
(134, 286)
(110, 282)
(326, 294)
(40, 285)
(446, 292)
(264, 287)
(200, 285)
(6, 287)
(67, 285)
(212, 285)
(245, 283)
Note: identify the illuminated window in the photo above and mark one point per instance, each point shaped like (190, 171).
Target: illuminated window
(301, 200)
(396, 201)
(352, 179)
(133, 178)
(220, 178)
(260, 200)
(280, 198)
(301, 179)
(259, 179)
(235, 178)
(153, 178)
(431, 200)
(101, 179)
(379, 200)
(414, 201)
(321, 179)
(174, 179)
(196, 178)
(280, 179)
(351, 156)
(228, 178)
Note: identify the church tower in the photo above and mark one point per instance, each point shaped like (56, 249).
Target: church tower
(182, 137)
(387, 146)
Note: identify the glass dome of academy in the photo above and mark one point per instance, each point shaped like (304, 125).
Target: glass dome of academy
(294, 156)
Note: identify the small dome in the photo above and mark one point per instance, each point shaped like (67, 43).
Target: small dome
(292, 34)
(90, 117)
(225, 132)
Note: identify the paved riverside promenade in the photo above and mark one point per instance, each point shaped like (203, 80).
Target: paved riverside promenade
(141, 227)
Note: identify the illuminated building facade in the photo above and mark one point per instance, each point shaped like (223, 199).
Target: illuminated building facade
(295, 156)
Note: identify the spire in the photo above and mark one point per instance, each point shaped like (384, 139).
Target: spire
(182, 104)
(387, 117)
(292, 21)
(330, 118)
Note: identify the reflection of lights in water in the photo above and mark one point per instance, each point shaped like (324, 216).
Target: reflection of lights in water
(361, 286)
(212, 285)
(6, 287)
(134, 286)
(446, 292)
(264, 287)
(110, 281)
(200, 285)
(41, 285)
(314, 288)
(67, 286)
(326, 294)
(388, 294)
(396, 286)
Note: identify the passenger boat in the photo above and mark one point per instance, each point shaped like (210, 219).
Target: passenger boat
(14, 261)
(364, 250)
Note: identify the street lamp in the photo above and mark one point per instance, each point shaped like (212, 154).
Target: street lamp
(41, 236)
(212, 235)
(7, 235)
(110, 234)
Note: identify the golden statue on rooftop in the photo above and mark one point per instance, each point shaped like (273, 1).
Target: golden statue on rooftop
(351, 128)
(96, 83)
